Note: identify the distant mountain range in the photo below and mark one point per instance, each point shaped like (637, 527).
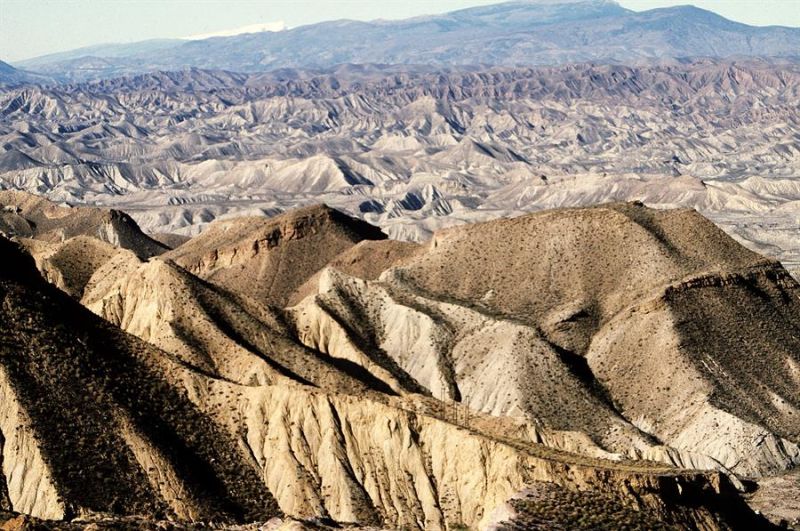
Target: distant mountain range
(10, 76)
(510, 34)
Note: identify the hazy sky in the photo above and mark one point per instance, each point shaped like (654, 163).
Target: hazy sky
(29, 28)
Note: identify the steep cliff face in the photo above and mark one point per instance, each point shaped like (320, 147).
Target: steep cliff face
(27, 485)
(401, 464)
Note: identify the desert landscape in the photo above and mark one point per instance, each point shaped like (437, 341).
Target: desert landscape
(543, 279)
(413, 152)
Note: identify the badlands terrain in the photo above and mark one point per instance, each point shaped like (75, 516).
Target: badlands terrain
(609, 366)
(531, 265)
(413, 149)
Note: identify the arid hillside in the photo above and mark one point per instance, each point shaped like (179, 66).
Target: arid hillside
(25, 215)
(487, 378)
(91, 422)
(268, 258)
(634, 326)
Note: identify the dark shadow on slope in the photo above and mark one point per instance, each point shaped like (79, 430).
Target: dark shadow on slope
(363, 339)
(78, 377)
(283, 360)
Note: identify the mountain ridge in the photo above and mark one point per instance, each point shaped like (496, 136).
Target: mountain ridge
(509, 34)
